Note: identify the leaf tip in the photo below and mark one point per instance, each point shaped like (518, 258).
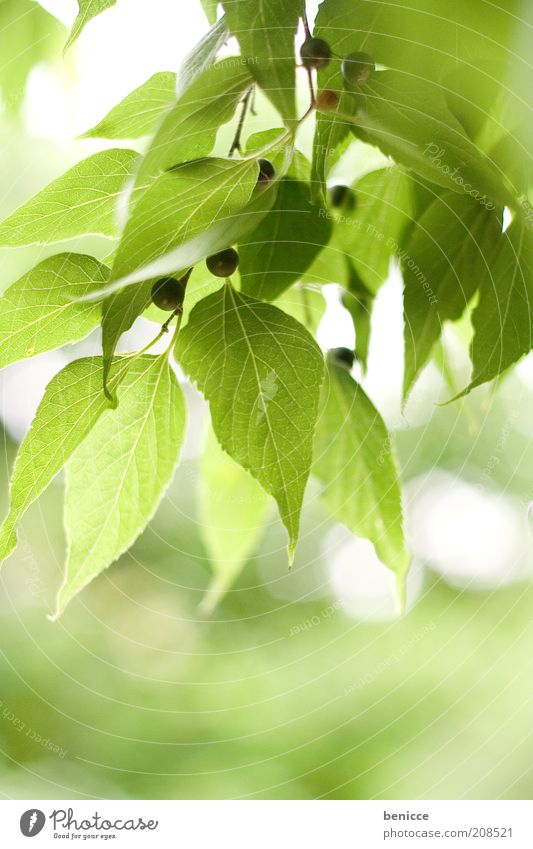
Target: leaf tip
(8, 541)
(401, 592)
(113, 400)
(63, 599)
(291, 548)
(460, 395)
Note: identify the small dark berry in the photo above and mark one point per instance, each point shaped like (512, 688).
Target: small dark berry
(357, 68)
(315, 53)
(266, 171)
(343, 356)
(327, 100)
(224, 263)
(342, 196)
(168, 293)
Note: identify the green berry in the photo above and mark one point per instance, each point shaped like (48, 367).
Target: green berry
(342, 196)
(343, 356)
(315, 53)
(223, 264)
(266, 171)
(357, 68)
(168, 293)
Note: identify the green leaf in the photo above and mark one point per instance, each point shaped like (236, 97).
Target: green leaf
(305, 304)
(137, 115)
(71, 405)
(372, 233)
(118, 475)
(446, 259)
(503, 319)
(87, 9)
(464, 53)
(119, 312)
(178, 207)
(423, 194)
(189, 129)
(265, 30)
(332, 133)
(354, 461)
(359, 301)
(331, 265)
(29, 35)
(277, 145)
(233, 509)
(215, 231)
(82, 201)
(261, 373)
(407, 119)
(210, 8)
(284, 244)
(41, 312)
(202, 55)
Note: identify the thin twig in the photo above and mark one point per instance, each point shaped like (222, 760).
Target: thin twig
(306, 24)
(236, 143)
(311, 86)
(179, 313)
(309, 71)
(306, 114)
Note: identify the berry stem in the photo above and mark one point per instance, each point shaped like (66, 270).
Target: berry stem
(309, 72)
(111, 386)
(311, 86)
(164, 329)
(252, 103)
(170, 348)
(306, 114)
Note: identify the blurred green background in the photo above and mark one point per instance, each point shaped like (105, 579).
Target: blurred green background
(299, 685)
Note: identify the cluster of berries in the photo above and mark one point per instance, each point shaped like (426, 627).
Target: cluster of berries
(356, 68)
(168, 292)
